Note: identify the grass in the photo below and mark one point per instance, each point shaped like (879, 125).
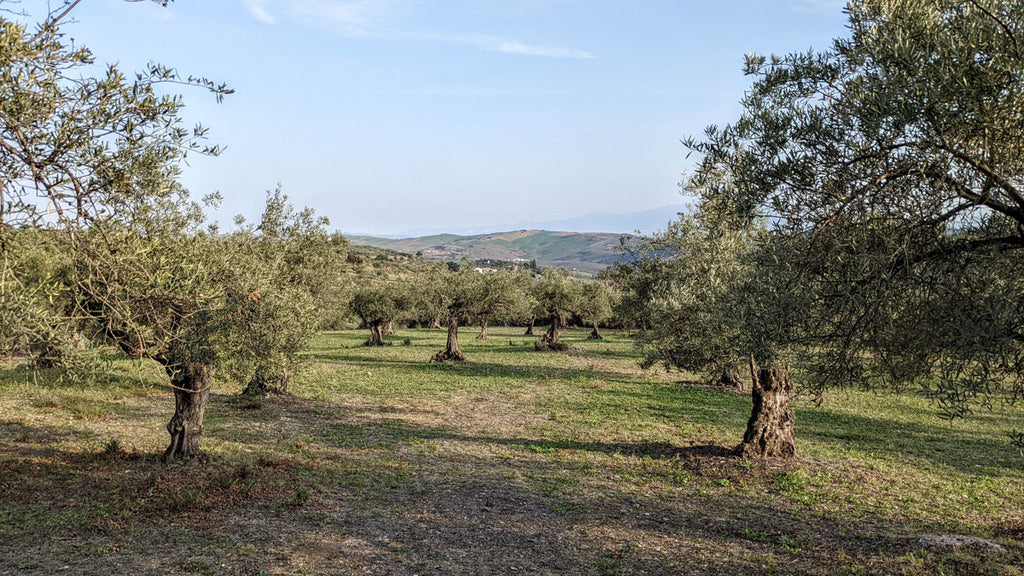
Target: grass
(515, 462)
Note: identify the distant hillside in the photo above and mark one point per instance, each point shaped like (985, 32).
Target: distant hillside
(646, 221)
(585, 252)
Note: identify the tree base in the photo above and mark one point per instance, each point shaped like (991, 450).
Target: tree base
(447, 356)
(372, 342)
(277, 385)
(728, 379)
(595, 336)
(770, 430)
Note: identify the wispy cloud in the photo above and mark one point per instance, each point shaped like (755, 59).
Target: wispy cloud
(378, 19)
(259, 11)
(351, 17)
(516, 47)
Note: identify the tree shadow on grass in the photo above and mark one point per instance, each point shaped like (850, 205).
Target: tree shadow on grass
(474, 369)
(519, 347)
(967, 449)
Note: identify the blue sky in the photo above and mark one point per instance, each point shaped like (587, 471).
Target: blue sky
(392, 115)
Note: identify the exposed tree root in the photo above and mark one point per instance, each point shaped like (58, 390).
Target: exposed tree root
(448, 356)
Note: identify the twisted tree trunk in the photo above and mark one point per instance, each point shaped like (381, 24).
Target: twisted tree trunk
(376, 335)
(551, 336)
(595, 335)
(191, 392)
(770, 432)
(451, 351)
(483, 331)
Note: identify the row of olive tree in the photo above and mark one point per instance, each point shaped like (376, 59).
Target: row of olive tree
(457, 297)
(860, 224)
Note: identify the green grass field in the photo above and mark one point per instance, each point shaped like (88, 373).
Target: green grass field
(516, 462)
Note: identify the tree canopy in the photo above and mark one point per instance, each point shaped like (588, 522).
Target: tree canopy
(868, 198)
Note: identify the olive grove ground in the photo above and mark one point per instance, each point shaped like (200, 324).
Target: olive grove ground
(515, 462)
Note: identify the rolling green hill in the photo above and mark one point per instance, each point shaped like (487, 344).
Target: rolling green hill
(585, 253)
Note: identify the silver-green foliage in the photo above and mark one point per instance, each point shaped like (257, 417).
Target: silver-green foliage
(887, 173)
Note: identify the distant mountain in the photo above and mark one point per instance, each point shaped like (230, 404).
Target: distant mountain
(584, 252)
(646, 221)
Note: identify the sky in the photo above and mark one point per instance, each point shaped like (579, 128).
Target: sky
(396, 115)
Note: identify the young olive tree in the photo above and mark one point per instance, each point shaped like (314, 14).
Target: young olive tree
(277, 270)
(37, 318)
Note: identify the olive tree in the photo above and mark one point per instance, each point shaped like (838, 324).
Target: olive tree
(377, 304)
(880, 185)
(37, 318)
(557, 296)
(709, 304)
(96, 156)
(596, 304)
(453, 296)
(502, 298)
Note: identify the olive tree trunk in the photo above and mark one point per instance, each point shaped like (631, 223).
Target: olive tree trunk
(376, 335)
(529, 329)
(191, 386)
(269, 383)
(451, 351)
(551, 336)
(770, 431)
(483, 331)
(594, 334)
(729, 378)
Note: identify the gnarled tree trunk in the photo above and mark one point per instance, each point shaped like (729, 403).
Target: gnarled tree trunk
(529, 329)
(191, 393)
(451, 351)
(267, 383)
(483, 331)
(388, 329)
(729, 378)
(595, 335)
(551, 336)
(770, 431)
(376, 335)
(435, 323)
